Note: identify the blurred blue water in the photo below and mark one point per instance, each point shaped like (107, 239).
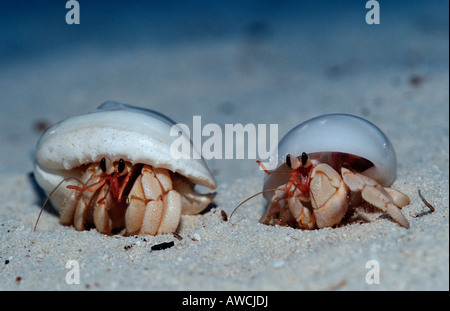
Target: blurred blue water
(34, 28)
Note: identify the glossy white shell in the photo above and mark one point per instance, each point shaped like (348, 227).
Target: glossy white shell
(115, 131)
(337, 133)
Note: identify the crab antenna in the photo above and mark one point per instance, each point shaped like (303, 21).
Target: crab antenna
(261, 192)
(251, 197)
(48, 198)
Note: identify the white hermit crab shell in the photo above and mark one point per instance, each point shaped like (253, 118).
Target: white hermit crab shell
(337, 133)
(116, 131)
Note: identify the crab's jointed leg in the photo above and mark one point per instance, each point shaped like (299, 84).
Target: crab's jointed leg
(302, 214)
(276, 205)
(386, 199)
(73, 210)
(79, 202)
(102, 221)
(154, 207)
(93, 204)
(398, 198)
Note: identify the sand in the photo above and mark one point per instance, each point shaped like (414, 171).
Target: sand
(230, 64)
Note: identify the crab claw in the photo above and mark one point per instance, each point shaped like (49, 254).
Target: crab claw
(328, 196)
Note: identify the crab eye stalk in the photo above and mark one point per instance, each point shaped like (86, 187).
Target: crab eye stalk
(103, 165)
(121, 166)
(304, 158)
(288, 160)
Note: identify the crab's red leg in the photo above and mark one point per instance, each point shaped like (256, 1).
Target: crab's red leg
(122, 187)
(91, 188)
(293, 179)
(114, 182)
(78, 188)
(104, 198)
(308, 180)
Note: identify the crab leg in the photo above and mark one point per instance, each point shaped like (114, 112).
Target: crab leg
(275, 206)
(397, 197)
(154, 207)
(68, 213)
(171, 202)
(302, 214)
(102, 220)
(376, 195)
(86, 200)
(78, 202)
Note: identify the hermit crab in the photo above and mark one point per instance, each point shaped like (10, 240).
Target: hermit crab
(327, 166)
(112, 169)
